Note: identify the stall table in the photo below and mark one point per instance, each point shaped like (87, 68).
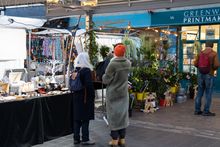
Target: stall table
(32, 121)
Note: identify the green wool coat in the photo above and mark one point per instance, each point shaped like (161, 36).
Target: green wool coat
(117, 98)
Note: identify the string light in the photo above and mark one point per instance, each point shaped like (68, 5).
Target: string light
(101, 27)
(129, 25)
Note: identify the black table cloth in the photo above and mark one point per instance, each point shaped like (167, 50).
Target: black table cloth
(33, 121)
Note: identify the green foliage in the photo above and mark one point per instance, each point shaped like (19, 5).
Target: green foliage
(166, 45)
(136, 78)
(161, 88)
(188, 76)
(92, 46)
(148, 47)
(130, 53)
(170, 75)
(104, 50)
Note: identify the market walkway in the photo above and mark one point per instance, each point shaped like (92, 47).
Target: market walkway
(168, 127)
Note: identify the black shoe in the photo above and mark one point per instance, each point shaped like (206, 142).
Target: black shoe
(198, 112)
(208, 114)
(77, 141)
(90, 142)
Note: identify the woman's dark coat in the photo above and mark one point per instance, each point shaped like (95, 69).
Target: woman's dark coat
(83, 107)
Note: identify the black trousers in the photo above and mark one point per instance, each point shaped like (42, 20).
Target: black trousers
(84, 124)
(118, 134)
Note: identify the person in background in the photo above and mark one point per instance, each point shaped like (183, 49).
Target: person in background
(73, 57)
(117, 98)
(205, 82)
(83, 101)
(101, 66)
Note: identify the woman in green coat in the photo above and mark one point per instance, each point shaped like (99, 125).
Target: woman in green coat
(117, 98)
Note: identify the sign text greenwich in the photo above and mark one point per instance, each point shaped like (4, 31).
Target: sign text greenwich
(202, 16)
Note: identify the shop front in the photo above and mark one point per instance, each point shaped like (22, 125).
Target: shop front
(188, 28)
(195, 27)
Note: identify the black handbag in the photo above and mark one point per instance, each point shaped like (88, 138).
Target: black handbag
(75, 83)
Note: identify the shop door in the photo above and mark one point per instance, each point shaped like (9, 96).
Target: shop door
(187, 53)
(189, 57)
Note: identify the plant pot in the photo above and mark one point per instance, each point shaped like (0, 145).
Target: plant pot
(162, 102)
(174, 89)
(140, 96)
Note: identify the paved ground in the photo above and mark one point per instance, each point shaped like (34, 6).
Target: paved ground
(168, 127)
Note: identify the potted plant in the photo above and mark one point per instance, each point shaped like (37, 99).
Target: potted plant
(148, 48)
(136, 78)
(188, 81)
(104, 50)
(130, 47)
(193, 85)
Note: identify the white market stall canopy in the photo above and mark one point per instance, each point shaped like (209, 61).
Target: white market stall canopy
(21, 22)
(13, 40)
(13, 36)
(12, 43)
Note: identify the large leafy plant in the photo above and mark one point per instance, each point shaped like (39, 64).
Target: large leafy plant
(136, 79)
(92, 46)
(148, 47)
(104, 50)
(130, 47)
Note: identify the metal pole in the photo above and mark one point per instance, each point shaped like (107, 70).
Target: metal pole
(28, 59)
(71, 50)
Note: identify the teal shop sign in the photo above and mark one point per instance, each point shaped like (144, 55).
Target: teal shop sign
(121, 20)
(186, 17)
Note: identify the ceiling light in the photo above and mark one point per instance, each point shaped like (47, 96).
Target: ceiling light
(53, 1)
(89, 2)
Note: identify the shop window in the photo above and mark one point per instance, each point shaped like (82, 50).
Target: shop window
(209, 32)
(169, 39)
(190, 33)
(188, 58)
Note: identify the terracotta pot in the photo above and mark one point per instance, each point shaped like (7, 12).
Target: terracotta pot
(161, 102)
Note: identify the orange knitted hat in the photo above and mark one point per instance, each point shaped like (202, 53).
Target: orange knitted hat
(119, 50)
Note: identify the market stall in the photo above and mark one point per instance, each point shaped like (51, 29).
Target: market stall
(44, 70)
(35, 108)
